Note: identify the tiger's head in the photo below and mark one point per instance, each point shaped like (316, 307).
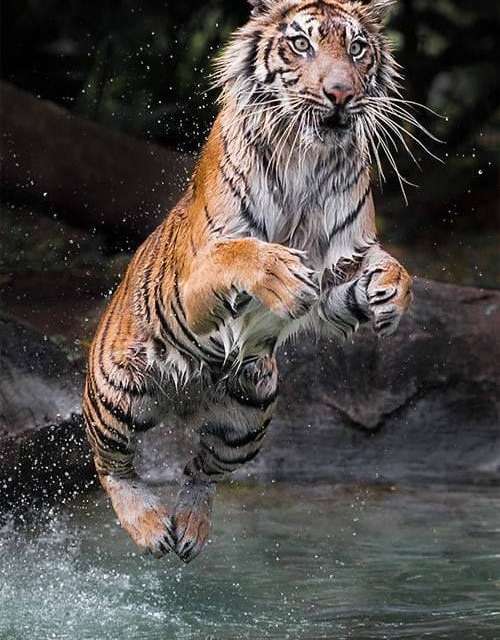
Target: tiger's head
(317, 63)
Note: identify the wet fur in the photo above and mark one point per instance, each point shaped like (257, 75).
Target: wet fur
(264, 244)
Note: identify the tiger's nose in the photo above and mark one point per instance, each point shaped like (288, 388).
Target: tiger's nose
(339, 94)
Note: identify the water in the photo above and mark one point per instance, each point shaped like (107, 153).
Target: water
(293, 562)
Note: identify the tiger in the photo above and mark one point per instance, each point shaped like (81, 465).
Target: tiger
(275, 235)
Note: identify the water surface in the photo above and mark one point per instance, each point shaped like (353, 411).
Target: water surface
(293, 562)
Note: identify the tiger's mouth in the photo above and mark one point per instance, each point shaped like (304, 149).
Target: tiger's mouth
(338, 120)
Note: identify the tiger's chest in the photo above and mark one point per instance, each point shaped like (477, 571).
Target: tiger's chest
(314, 208)
(311, 211)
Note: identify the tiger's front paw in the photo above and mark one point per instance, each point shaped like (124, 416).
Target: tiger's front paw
(285, 284)
(388, 291)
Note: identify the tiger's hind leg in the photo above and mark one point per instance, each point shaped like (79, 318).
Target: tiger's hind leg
(141, 514)
(113, 412)
(231, 435)
(192, 517)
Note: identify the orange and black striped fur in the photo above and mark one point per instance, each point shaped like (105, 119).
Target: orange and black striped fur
(275, 234)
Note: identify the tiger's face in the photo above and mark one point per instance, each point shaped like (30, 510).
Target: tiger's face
(317, 62)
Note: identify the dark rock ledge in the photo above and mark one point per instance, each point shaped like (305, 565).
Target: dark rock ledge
(422, 406)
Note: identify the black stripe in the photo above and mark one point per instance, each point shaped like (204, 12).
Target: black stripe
(383, 325)
(103, 337)
(233, 462)
(283, 50)
(211, 224)
(102, 441)
(123, 417)
(245, 208)
(340, 323)
(242, 459)
(222, 432)
(264, 154)
(309, 94)
(145, 290)
(193, 338)
(290, 68)
(247, 401)
(270, 75)
(308, 283)
(328, 168)
(352, 216)
(96, 425)
(251, 437)
(91, 436)
(291, 83)
(194, 250)
(147, 277)
(108, 444)
(353, 305)
(116, 386)
(242, 300)
(96, 397)
(233, 166)
(214, 461)
(165, 327)
(353, 182)
(251, 58)
(372, 275)
(216, 342)
(119, 387)
(225, 303)
(169, 335)
(196, 463)
(375, 302)
(295, 25)
(338, 9)
(229, 180)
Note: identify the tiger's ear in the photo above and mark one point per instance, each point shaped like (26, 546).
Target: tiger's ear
(259, 6)
(378, 9)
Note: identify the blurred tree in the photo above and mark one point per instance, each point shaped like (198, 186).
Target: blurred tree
(449, 55)
(143, 66)
(139, 66)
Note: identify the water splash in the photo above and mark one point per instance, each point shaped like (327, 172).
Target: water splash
(285, 562)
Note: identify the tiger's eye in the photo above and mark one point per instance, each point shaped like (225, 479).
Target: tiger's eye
(301, 44)
(358, 47)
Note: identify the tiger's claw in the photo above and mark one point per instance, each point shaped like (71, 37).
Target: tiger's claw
(388, 295)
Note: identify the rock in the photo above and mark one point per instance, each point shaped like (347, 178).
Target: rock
(94, 177)
(42, 443)
(422, 406)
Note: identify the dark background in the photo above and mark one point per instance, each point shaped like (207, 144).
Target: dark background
(142, 68)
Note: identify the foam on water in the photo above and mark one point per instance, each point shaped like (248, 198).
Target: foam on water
(285, 562)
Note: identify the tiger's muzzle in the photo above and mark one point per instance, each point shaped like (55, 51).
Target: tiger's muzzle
(338, 120)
